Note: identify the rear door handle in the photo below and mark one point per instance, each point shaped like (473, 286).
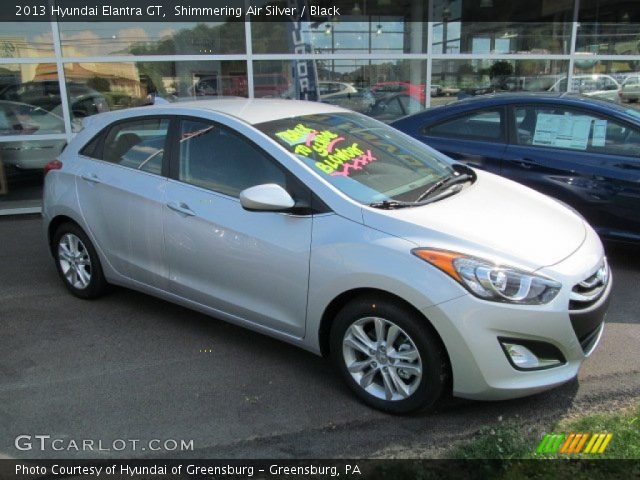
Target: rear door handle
(181, 207)
(93, 178)
(526, 163)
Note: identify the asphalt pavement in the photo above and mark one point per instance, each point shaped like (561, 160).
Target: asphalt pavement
(129, 368)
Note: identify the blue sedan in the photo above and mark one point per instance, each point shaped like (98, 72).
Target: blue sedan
(582, 151)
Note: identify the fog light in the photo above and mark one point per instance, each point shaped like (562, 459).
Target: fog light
(523, 358)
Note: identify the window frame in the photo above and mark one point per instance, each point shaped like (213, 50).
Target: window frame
(97, 153)
(505, 133)
(513, 137)
(309, 205)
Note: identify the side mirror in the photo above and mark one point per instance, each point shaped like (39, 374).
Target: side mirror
(266, 198)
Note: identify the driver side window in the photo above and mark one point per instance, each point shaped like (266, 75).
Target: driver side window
(560, 127)
(215, 158)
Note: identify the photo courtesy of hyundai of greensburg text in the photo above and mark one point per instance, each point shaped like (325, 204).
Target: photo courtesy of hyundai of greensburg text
(306, 239)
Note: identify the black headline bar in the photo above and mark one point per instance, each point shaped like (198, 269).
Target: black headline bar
(319, 469)
(318, 11)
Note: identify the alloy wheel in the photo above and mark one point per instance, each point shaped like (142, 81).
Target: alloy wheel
(382, 358)
(74, 260)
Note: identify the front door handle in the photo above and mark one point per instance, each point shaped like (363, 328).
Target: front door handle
(93, 178)
(181, 207)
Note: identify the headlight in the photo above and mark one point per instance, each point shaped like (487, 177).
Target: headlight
(490, 281)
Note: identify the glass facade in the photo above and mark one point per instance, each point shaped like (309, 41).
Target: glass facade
(385, 60)
(123, 38)
(452, 79)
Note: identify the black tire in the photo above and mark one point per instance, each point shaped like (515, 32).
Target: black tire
(434, 380)
(97, 284)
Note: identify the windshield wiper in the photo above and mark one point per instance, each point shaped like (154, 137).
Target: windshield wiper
(391, 204)
(445, 183)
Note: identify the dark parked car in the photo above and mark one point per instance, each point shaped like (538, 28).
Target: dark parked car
(582, 151)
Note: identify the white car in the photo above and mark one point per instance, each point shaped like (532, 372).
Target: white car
(330, 89)
(337, 233)
(22, 119)
(630, 89)
(596, 85)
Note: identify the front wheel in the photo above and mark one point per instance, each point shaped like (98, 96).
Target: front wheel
(388, 355)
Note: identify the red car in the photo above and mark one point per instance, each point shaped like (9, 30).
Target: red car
(416, 91)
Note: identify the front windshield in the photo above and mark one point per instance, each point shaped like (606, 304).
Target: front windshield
(368, 161)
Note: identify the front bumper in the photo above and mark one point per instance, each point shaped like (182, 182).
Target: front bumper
(470, 328)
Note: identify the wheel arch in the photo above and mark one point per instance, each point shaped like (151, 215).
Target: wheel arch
(54, 224)
(341, 300)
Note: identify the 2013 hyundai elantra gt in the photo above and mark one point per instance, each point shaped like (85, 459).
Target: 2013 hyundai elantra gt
(334, 232)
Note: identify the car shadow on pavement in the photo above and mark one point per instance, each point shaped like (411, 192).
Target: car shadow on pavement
(552, 402)
(303, 364)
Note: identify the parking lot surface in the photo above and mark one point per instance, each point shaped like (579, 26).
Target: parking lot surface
(131, 367)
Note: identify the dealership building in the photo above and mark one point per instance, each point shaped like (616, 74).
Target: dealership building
(415, 54)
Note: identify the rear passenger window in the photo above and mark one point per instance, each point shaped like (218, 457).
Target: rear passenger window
(486, 125)
(137, 144)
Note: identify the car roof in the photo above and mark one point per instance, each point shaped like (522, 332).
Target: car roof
(257, 110)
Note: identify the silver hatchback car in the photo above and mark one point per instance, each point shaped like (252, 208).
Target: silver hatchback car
(332, 231)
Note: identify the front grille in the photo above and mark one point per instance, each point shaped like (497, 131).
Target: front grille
(588, 292)
(587, 321)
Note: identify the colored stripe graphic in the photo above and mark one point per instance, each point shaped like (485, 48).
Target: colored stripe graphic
(573, 443)
(550, 443)
(582, 441)
(605, 443)
(566, 445)
(599, 443)
(596, 446)
(590, 444)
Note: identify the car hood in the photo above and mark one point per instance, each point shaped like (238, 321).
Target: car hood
(495, 219)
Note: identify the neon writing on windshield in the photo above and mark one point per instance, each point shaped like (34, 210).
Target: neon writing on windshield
(296, 135)
(336, 160)
(356, 164)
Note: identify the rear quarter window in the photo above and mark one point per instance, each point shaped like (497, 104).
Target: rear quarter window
(91, 149)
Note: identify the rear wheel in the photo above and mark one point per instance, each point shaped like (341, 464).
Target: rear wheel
(77, 262)
(388, 355)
